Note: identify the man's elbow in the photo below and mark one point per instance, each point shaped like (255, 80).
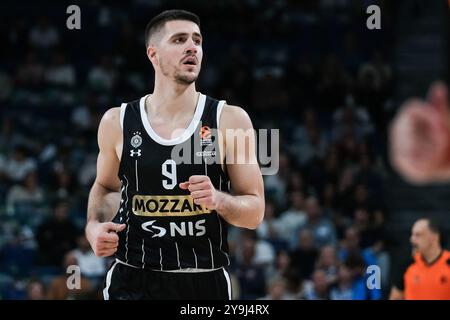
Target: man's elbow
(257, 218)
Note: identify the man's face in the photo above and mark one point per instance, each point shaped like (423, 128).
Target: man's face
(178, 51)
(422, 238)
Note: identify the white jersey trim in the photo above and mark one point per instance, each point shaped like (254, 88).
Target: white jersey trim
(187, 132)
(190, 270)
(219, 112)
(227, 277)
(108, 281)
(123, 107)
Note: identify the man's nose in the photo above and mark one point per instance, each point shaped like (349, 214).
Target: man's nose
(191, 47)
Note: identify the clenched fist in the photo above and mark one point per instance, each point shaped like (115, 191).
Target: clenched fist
(103, 237)
(420, 138)
(202, 191)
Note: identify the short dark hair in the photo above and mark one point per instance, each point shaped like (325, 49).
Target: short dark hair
(158, 22)
(435, 226)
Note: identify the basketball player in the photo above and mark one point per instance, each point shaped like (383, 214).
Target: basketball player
(420, 138)
(427, 276)
(166, 220)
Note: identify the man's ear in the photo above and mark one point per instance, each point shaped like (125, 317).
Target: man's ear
(151, 54)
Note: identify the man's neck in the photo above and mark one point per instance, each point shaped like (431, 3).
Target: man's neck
(431, 255)
(172, 99)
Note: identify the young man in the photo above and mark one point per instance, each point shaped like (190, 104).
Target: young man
(427, 276)
(165, 219)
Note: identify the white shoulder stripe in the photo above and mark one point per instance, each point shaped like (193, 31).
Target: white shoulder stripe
(219, 111)
(123, 106)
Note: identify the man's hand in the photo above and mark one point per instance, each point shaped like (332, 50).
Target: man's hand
(103, 237)
(420, 138)
(202, 191)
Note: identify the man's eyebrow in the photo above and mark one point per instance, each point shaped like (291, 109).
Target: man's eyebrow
(179, 34)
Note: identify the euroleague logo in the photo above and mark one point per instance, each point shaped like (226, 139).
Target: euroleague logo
(205, 133)
(205, 136)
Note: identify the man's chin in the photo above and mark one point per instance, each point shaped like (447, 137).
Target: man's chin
(186, 80)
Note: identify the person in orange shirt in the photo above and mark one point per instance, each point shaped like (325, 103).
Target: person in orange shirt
(427, 277)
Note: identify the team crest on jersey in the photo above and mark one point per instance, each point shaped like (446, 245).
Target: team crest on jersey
(136, 140)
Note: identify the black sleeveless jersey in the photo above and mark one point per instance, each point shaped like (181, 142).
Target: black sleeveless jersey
(165, 229)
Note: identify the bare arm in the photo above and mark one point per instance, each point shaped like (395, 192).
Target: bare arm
(104, 197)
(244, 207)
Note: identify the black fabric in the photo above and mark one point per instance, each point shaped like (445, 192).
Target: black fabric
(128, 283)
(167, 241)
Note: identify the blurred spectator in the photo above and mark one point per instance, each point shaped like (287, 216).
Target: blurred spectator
(59, 288)
(363, 223)
(103, 77)
(343, 290)
(319, 288)
(249, 273)
(309, 142)
(321, 227)
(328, 200)
(28, 191)
(269, 229)
(83, 115)
(293, 218)
(44, 35)
(19, 165)
(60, 73)
(304, 257)
(360, 290)
(56, 235)
(277, 290)
(358, 260)
(350, 247)
(296, 181)
(351, 121)
(17, 257)
(36, 290)
(263, 254)
(329, 263)
(63, 185)
(374, 82)
(275, 185)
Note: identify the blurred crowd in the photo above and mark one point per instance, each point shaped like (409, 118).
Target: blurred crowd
(311, 70)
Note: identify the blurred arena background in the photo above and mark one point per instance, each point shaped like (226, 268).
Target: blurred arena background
(309, 68)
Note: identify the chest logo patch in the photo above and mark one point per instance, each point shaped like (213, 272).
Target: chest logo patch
(136, 140)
